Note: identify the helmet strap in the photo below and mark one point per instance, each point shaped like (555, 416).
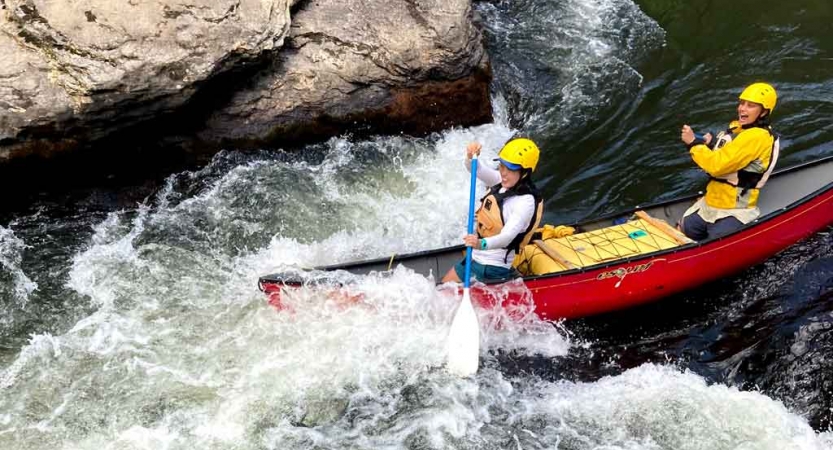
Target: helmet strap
(763, 120)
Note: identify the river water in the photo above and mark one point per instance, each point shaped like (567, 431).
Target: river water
(129, 316)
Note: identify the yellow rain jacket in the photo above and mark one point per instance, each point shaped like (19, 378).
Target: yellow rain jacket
(750, 151)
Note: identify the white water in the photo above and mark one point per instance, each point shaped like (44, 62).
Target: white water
(183, 352)
(15, 285)
(568, 61)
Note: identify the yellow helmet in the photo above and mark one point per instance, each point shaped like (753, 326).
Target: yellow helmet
(520, 153)
(760, 93)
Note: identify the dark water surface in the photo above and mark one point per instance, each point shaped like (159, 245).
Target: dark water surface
(770, 328)
(129, 316)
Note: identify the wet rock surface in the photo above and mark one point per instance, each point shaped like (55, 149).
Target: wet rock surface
(101, 79)
(401, 66)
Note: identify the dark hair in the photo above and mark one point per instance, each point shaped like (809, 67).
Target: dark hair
(763, 121)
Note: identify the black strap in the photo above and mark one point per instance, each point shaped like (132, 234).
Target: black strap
(524, 187)
(746, 179)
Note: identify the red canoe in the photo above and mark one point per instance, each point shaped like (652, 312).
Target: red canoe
(795, 203)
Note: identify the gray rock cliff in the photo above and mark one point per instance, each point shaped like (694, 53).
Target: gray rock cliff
(76, 72)
(390, 65)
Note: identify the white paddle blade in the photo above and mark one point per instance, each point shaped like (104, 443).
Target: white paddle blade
(463, 342)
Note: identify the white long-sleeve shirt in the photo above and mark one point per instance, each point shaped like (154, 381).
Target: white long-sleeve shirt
(517, 212)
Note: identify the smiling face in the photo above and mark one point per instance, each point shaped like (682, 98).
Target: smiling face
(749, 112)
(508, 177)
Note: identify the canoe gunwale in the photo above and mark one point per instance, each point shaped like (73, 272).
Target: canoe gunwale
(646, 256)
(294, 280)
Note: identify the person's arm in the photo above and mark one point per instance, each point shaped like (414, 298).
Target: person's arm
(486, 174)
(518, 212)
(735, 155)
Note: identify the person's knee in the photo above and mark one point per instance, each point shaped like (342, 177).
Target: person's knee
(694, 227)
(451, 275)
(494, 273)
(724, 226)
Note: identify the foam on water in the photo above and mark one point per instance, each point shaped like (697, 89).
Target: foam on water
(15, 285)
(182, 349)
(655, 407)
(11, 256)
(567, 62)
(183, 352)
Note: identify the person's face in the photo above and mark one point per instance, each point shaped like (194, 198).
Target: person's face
(748, 112)
(508, 177)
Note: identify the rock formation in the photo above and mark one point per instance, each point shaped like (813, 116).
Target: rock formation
(76, 73)
(383, 65)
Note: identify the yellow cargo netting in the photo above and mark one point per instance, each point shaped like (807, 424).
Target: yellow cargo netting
(565, 250)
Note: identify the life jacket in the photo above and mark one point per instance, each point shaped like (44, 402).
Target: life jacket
(490, 219)
(754, 175)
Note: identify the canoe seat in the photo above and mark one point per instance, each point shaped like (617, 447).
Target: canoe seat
(640, 235)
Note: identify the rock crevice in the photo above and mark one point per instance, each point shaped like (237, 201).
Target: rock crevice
(233, 72)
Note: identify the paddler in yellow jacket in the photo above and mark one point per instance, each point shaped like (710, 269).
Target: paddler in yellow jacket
(508, 212)
(739, 162)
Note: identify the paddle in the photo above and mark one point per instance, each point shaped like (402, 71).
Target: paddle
(463, 342)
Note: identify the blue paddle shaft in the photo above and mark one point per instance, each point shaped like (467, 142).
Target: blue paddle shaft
(470, 227)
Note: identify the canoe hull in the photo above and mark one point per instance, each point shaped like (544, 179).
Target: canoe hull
(641, 281)
(798, 203)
